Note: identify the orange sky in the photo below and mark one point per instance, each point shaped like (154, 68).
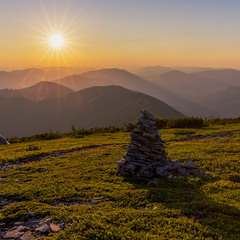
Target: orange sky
(120, 33)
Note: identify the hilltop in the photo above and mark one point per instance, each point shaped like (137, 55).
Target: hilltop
(126, 79)
(67, 188)
(88, 108)
(40, 91)
(23, 78)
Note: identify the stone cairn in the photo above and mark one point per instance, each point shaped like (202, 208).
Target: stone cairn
(146, 155)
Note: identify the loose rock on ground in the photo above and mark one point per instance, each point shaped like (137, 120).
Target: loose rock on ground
(29, 229)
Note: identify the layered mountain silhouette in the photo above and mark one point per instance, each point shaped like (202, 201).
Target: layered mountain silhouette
(91, 107)
(78, 82)
(21, 78)
(157, 70)
(197, 85)
(38, 92)
(104, 77)
(187, 92)
(231, 76)
(226, 103)
(18, 79)
(193, 69)
(152, 70)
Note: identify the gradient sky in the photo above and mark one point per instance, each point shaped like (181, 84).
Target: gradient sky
(120, 32)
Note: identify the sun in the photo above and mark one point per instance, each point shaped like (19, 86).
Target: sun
(56, 40)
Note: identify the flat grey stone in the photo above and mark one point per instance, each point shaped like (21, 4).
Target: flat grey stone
(190, 164)
(176, 165)
(161, 170)
(13, 234)
(55, 227)
(27, 236)
(42, 228)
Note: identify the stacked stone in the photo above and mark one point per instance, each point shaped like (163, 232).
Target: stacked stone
(146, 155)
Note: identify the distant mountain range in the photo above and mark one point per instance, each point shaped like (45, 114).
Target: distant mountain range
(152, 70)
(196, 85)
(187, 91)
(225, 102)
(104, 77)
(40, 91)
(157, 70)
(91, 107)
(18, 79)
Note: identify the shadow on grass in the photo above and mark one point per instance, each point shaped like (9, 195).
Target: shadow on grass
(186, 195)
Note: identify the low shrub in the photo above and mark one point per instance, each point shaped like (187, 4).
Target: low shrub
(184, 132)
(129, 127)
(161, 123)
(222, 121)
(187, 122)
(33, 148)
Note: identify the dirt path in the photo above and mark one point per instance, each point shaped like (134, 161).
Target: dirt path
(42, 226)
(45, 156)
(207, 136)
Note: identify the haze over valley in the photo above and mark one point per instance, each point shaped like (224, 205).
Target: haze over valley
(48, 103)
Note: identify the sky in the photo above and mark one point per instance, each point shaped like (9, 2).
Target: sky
(120, 33)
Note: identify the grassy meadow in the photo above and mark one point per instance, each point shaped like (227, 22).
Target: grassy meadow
(76, 183)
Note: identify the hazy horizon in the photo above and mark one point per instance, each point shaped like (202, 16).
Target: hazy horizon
(150, 39)
(128, 68)
(124, 34)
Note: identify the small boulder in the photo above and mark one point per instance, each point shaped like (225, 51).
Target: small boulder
(3, 141)
(13, 234)
(153, 182)
(160, 171)
(54, 227)
(27, 236)
(42, 228)
(190, 165)
(176, 165)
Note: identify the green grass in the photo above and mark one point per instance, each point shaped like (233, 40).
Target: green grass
(20, 151)
(113, 207)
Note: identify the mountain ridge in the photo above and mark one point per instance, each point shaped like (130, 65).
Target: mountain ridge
(225, 102)
(91, 107)
(38, 92)
(104, 77)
